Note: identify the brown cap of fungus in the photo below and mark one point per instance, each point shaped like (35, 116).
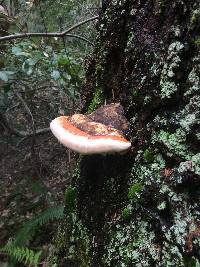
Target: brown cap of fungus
(86, 136)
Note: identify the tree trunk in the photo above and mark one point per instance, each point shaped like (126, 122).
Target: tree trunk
(140, 209)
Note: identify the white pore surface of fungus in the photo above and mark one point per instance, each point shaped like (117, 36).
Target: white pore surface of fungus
(84, 143)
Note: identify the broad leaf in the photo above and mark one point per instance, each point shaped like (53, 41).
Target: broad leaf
(55, 75)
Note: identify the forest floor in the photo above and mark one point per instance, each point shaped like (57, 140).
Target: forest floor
(34, 173)
(24, 192)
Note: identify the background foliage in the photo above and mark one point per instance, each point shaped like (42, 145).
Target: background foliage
(39, 80)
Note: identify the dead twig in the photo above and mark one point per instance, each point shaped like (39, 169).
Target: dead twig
(27, 109)
(80, 37)
(4, 122)
(49, 34)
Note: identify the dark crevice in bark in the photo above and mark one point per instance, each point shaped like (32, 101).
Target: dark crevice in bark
(96, 199)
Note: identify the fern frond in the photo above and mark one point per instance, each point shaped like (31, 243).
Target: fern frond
(22, 254)
(15, 249)
(26, 233)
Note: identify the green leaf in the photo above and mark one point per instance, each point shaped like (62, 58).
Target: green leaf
(17, 51)
(55, 75)
(31, 61)
(28, 65)
(3, 76)
(127, 213)
(6, 75)
(22, 254)
(26, 233)
(148, 156)
(63, 61)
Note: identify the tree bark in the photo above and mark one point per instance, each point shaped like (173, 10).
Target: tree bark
(141, 209)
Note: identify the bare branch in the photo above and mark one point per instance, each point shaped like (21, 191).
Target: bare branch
(26, 108)
(4, 122)
(79, 24)
(49, 34)
(29, 134)
(80, 37)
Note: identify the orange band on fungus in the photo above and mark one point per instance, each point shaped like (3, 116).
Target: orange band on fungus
(75, 131)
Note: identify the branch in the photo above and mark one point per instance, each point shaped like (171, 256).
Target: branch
(12, 130)
(29, 134)
(26, 108)
(79, 24)
(49, 34)
(80, 37)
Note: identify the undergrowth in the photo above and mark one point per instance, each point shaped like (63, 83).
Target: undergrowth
(17, 249)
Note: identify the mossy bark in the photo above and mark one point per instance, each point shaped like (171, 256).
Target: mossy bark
(141, 209)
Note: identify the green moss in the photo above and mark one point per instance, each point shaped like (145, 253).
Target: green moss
(127, 213)
(99, 69)
(191, 261)
(60, 240)
(148, 156)
(72, 244)
(134, 191)
(197, 42)
(97, 100)
(195, 16)
(70, 199)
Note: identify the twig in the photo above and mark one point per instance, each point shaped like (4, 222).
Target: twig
(27, 108)
(29, 134)
(12, 130)
(79, 24)
(10, 108)
(48, 34)
(80, 37)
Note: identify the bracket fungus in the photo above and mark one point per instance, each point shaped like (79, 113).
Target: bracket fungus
(96, 133)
